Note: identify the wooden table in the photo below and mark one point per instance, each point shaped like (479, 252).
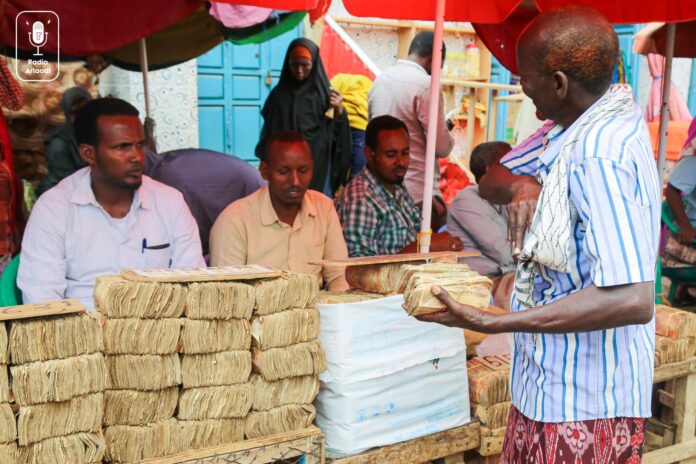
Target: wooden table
(307, 442)
(449, 444)
(682, 377)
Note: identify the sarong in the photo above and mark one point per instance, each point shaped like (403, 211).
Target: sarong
(599, 441)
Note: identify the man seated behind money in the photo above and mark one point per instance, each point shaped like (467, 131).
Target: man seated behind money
(283, 225)
(378, 215)
(105, 217)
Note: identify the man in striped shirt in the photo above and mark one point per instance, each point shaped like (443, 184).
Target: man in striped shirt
(583, 306)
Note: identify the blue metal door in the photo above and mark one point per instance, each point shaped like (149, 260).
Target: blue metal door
(233, 84)
(500, 75)
(626, 33)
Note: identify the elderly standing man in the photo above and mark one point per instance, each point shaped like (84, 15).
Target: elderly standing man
(583, 303)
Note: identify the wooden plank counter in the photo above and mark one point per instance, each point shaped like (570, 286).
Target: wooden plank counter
(683, 376)
(307, 442)
(420, 450)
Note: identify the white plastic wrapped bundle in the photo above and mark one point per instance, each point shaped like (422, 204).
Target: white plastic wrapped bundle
(375, 338)
(420, 400)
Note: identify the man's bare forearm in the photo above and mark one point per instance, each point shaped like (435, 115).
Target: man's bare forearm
(592, 308)
(499, 185)
(674, 201)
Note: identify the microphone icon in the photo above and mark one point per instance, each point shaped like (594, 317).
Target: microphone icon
(38, 37)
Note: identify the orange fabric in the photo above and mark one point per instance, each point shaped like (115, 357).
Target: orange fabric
(452, 180)
(676, 136)
(301, 52)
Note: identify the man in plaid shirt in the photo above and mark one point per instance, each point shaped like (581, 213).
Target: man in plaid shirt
(378, 215)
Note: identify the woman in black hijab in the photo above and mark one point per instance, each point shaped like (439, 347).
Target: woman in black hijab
(303, 101)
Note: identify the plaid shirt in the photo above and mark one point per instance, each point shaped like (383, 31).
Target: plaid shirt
(375, 222)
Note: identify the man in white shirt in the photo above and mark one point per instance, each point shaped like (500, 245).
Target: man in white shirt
(105, 217)
(403, 91)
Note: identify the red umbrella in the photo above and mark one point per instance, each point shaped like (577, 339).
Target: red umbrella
(459, 10)
(519, 13)
(496, 11)
(98, 26)
(88, 27)
(501, 38)
(117, 28)
(499, 23)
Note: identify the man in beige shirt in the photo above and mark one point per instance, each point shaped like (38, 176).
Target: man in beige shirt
(282, 225)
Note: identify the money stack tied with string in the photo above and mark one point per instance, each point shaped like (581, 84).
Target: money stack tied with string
(675, 335)
(287, 357)
(141, 323)
(489, 392)
(178, 346)
(463, 285)
(58, 382)
(8, 425)
(216, 363)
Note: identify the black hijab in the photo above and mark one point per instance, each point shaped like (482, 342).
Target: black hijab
(301, 106)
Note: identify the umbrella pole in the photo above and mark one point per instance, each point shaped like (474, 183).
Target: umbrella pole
(664, 110)
(142, 52)
(431, 136)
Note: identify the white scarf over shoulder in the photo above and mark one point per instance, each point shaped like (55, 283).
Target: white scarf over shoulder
(549, 242)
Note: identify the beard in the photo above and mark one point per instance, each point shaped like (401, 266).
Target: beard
(125, 184)
(133, 185)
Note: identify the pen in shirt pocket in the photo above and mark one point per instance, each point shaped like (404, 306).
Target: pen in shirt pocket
(153, 247)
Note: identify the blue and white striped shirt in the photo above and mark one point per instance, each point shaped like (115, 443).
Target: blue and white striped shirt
(615, 207)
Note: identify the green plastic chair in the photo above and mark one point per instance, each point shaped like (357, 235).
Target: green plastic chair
(678, 275)
(10, 294)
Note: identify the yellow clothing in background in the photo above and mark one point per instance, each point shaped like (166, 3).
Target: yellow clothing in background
(249, 232)
(354, 89)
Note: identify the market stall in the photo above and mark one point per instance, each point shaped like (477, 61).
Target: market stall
(239, 364)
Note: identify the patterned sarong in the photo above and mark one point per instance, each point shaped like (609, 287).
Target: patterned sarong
(599, 441)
